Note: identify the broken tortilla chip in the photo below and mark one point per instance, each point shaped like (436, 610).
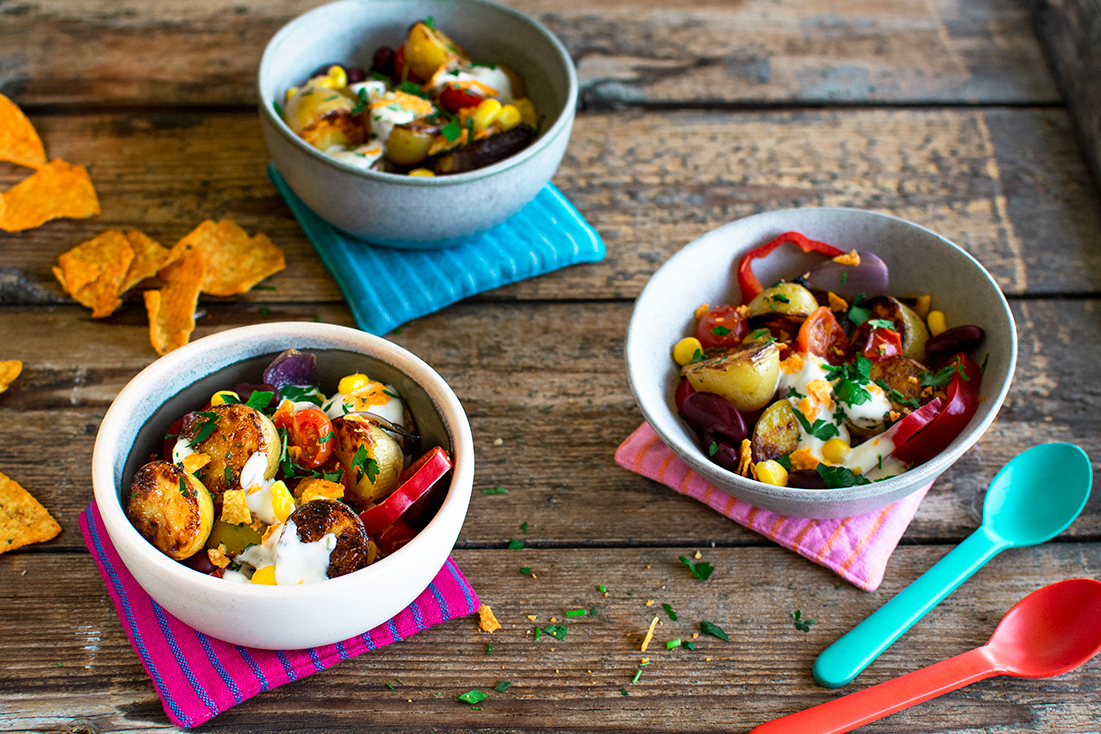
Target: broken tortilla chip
(9, 370)
(93, 272)
(57, 189)
(19, 141)
(149, 257)
(172, 308)
(23, 520)
(235, 262)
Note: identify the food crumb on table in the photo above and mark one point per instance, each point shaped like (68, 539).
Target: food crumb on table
(486, 620)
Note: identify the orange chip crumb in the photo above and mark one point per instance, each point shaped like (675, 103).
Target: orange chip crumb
(9, 370)
(849, 258)
(235, 509)
(486, 620)
(218, 556)
(745, 463)
(19, 141)
(272, 530)
(317, 488)
(792, 364)
(837, 303)
(701, 310)
(57, 189)
(172, 309)
(803, 459)
(234, 261)
(23, 519)
(649, 634)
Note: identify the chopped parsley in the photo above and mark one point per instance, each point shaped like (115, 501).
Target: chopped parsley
(793, 393)
(701, 570)
(502, 686)
(430, 23)
(523, 527)
(556, 630)
(472, 697)
(761, 334)
(850, 377)
(821, 428)
(333, 476)
(278, 109)
(362, 103)
(780, 298)
(259, 399)
(298, 394)
(882, 324)
(857, 314)
(452, 130)
(713, 448)
(514, 544)
(669, 610)
(896, 396)
(836, 477)
(412, 88)
(210, 422)
(494, 490)
(577, 612)
(720, 330)
(943, 376)
(365, 465)
(228, 474)
(688, 644)
(183, 487)
(710, 628)
(526, 570)
(801, 624)
(844, 277)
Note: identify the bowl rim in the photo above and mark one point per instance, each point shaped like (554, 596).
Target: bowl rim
(108, 500)
(724, 479)
(544, 139)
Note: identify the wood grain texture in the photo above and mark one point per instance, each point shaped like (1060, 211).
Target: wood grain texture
(142, 52)
(65, 655)
(1007, 185)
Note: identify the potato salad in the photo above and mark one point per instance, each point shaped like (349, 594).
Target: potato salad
(825, 380)
(425, 109)
(277, 483)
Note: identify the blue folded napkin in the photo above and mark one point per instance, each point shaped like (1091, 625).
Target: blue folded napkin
(387, 287)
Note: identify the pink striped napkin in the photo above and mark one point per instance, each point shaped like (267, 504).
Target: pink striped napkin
(198, 677)
(856, 548)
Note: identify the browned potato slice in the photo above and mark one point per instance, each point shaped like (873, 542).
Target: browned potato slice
(410, 143)
(485, 152)
(746, 376)
(786, 298)
(776, 433)
(376, 469)
(427, 49)
(901, 374)
(907, 323)
(171, 509)
(240, 432)
(324, 117)
(315, 519)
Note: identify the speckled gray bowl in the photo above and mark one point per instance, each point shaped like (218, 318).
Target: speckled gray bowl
(920, 262)
(417, 212)
(279, 617)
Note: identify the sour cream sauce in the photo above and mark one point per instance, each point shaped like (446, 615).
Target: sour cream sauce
(258, 487)
(295, 562)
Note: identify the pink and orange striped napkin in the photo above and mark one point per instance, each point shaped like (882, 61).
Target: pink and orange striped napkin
(856, 548)
(198, 677)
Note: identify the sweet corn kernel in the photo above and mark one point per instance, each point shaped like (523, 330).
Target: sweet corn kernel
(485, 114)
(527, 111)
(772, 472)
(334, 79)
(936, 323)
(509, 117)
(686, 350)
(219, 398)
(265, 575)
(922, 304)
(834, 451)
(421, 172)
(351, 383)
(290, 93)
(282, 504)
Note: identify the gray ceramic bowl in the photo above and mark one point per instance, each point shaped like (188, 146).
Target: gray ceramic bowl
(417, 212)
(279, 617)
(919, 261)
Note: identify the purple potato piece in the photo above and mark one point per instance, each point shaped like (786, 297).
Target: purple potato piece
(292, 367)
(711, 413)
(869, 278)
(488, 151)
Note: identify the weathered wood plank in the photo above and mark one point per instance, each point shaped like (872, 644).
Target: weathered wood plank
(1008, 185)
(64, 655)
(557, 397)
(142, 52)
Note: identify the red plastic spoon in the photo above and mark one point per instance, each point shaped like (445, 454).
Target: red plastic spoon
(1050, 631)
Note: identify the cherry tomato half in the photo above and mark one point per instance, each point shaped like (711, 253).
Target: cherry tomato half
(311, 432)
(454, 99)
(721, 327)
(882, 343)
(822, 336)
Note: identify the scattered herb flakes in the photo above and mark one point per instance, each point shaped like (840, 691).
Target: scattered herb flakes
(577, 612)
(710, 628)
(857, 314)
(638, 674)
(688, 644)
(523, 527)
(494, 490)
(538, 631)
(803, 625)
(472, 697)
(713, 448)
(701, 570)
(844, 277)
(602, 589)
(514, 544)
(556, 630)
(390, 686)
(669, 610)
(624, 692)
(489, 648)
(720, 330)
(502, 686)
(526, 570)
(672, 643)
(210, 422)
(836, 477)
(821, 429)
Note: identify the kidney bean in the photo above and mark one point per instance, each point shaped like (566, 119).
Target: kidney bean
(355, 74)
(684, 389)
(806, 479)
(719, 451)
(710, 413)
(956, 339)
(383, 61)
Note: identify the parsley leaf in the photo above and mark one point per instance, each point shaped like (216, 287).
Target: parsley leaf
(514, 544)
(502, 686)
(793, 393)
(780, 298)
(259, 399)
(494, 490)
(452, 130)
(858, 315)
(210, 422)
(821, 429)
(701, 570)
(472, 697)
(803, 625)
(556, 630)
(720, 331)
(941, 377)
(836, 477)
(850, 376)
(882, 324)
(412, 88)
(669, 610)
(898, 397)
(364, 465)
(710, 628)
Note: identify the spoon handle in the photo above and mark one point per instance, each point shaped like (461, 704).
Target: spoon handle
(864, 706)
(843, 660)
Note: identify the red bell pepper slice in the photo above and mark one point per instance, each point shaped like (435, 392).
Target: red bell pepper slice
(430, 468)
(902, 431)
(962, 400)
(748, 282)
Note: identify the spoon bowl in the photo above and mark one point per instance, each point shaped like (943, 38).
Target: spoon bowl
(1050, 631)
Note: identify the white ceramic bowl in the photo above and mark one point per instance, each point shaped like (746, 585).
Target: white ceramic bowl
(920, 262)
(279, 617)
(412, 211)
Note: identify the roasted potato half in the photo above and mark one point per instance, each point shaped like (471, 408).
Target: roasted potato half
(171, 509)
(427, 49)
(325, 117)
(239, 433)
(373, 472)
(317, 518)
(776, 433)
(746, 376)
(410, 143)
(786, 298)
(901, 374)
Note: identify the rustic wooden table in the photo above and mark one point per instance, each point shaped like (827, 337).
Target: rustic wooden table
(943, 113)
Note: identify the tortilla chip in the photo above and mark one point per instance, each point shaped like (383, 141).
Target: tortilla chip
(93, 272)
(57, 189)
(487, 620)
(19, 142)
(235, 262)
(235, 510)
(316, 488)
(149, 257)
(172, 309)
(9, 370)
(22, 519)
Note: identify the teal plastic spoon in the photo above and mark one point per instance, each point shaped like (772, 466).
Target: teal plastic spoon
(1034, 497)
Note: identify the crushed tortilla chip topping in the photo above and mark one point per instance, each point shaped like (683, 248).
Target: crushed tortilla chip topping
(235, 507)
(803, 459)
(272, 530)
(218, 555)
(316, 488)
(57, 189)
(649, 634)
(234, 261)
(486, 620)
(23, 520)
(745, 461)
(701, 311)
(172, 309)
(19, 141)
(194, 462)
(849, 258)
(9, 370)
(837, 303)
